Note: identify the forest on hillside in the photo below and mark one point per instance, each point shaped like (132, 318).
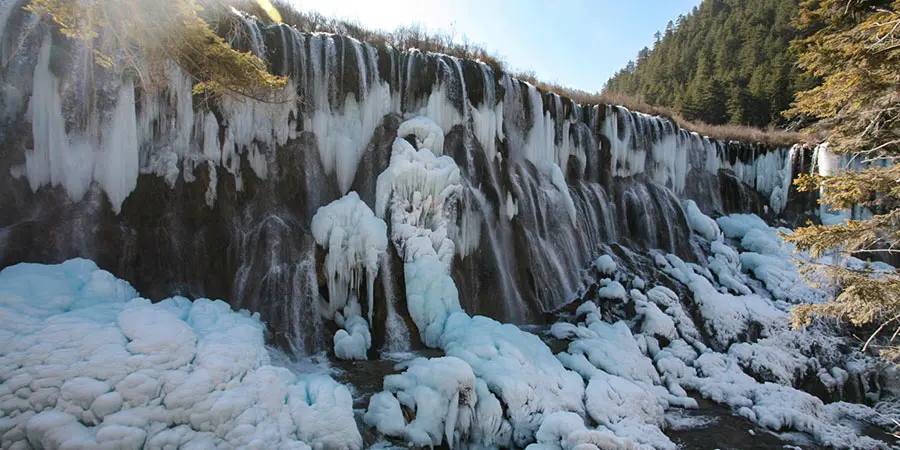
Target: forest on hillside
(727, 61)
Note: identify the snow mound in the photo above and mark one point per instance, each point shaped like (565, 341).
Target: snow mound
(699, 222)
(770, 259)
(441, 393)
(354, 341)
(606, 265)
(518, 368)
(728, 318)
(625, 394)
(86, 363)
(566, 431)
(736, 226)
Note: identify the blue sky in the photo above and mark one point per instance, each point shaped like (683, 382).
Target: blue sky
(576, 43)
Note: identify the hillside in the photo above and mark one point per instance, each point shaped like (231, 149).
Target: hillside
(728, 61)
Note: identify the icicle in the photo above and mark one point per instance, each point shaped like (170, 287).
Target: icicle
(55, 160)
(355, 241)
(117, 165)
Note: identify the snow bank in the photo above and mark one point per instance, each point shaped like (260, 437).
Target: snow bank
(625, 393)
(86, 363)
(639, 368)
(770, 259)
(728, 318)
(779, 407)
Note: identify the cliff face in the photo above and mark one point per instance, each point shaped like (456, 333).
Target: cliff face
(214, 199)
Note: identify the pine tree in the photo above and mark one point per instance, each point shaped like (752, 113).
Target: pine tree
(854, 46)
(736, 38)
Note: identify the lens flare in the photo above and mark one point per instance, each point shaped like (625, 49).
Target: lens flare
(270, 10)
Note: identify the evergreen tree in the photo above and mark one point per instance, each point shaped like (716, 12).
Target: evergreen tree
(741, 43)
(854, 46)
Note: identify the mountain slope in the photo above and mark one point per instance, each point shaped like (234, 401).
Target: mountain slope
(727, 61)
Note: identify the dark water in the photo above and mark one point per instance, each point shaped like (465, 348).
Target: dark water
(366, 378)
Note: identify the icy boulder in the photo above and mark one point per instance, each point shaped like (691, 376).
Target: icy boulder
(518, 367)
(441, 393)
(628, 410)
(699, 222)
(605, 265)
(85, 363)
(566, 431)
(354, 341)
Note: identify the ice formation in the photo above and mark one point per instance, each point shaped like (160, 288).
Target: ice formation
(347, 88)
(74, 161)
(636, 369)
(441, 393)
(354, 240)
(700, 223)
(427, 133)
(413, 192)
(86, 363)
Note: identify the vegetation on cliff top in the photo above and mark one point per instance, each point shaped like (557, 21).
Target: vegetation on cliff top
(141, 36)
(414, 36)
(726, 62)
(854, 46)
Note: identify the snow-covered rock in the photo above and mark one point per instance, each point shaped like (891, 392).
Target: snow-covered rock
(86, 363)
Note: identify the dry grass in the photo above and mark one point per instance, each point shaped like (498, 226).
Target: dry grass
(728, 132)
(404, 37)
(415, 36)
